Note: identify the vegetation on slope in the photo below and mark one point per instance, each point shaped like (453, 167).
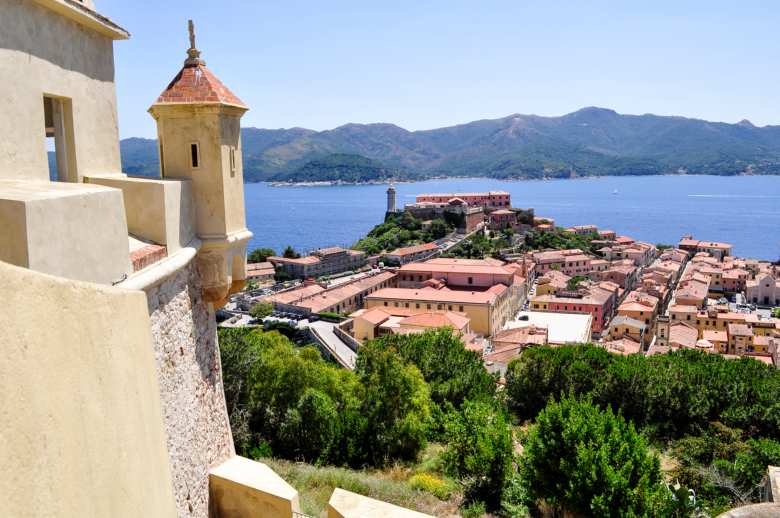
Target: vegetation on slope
(400, 230)
(588, 142)
(718, 419)
(559, 239)
(594, 419)
(341, 167)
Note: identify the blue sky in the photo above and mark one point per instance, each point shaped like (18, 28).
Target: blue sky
(426, 64)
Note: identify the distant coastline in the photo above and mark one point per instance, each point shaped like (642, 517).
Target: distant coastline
(337, 183)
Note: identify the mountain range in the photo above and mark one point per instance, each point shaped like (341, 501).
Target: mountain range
(589, 142)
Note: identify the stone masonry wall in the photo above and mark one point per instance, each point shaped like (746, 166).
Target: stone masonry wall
(190, 378)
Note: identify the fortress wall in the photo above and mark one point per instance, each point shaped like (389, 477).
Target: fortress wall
(82, 432)
(190, 379)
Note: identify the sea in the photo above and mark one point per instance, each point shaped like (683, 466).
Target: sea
(742, 210)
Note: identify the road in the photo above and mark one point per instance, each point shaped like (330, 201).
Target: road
(344, 355)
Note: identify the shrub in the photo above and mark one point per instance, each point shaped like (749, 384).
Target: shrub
(290, 401)
(590, 462)
(431, 484)
(670, 395)
(261, 310)
(479, 450)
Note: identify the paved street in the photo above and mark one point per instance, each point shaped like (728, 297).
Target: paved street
(345, 355)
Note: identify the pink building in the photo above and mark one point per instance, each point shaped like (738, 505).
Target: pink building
(487, 200)
(478, 273)
(598, 302)
(502, 218)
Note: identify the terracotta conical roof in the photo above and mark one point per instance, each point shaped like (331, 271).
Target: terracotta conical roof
(197, 84)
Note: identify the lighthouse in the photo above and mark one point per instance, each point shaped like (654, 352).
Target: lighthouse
(391, 199)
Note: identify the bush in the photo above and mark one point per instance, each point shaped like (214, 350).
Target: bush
(590, 462)
(431, 484)
(454, 373)
(670, 395)
(290, 401)
(479, 451)
(261, 310)
(395, 408)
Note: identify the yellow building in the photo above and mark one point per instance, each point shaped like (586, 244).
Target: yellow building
(487, 310)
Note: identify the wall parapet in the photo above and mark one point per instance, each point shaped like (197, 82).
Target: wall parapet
(241, 488)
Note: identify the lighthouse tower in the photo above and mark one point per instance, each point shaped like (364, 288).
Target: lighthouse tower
(391, 199)
(199, 136)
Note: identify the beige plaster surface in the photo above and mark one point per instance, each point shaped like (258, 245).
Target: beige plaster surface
(240, 487)
(82, 430)
(44, 52)
(345, 504)
(157, 210)
(76, 231)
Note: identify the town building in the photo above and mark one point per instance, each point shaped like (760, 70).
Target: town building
(508, 344)
(562, 328)
(713, 248)
(487, 308)
(466, 273)
(410, 254)
(552, 282)
(325, 261)
(639, 306)
(596, 301)
(623, 326)
(466, 218)
(583, 230)
(764, 290)
(368, 324)
(260, 272)
(571, 261)
(489, 201)
(342, 299)
(623, 346)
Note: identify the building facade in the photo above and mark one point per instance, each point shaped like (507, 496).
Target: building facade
(325, 261)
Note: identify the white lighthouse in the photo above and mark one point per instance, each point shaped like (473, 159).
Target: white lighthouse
(391, 198)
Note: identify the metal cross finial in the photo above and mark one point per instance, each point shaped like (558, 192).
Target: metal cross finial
(193, 54)
(191, 27)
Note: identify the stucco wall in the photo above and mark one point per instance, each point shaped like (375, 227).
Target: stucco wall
(190, 380)
(43, 52)
(82, 431)
(158, 210)
(72, 230)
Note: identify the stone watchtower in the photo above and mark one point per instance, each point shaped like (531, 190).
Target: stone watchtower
(391, 198)
(199, 136)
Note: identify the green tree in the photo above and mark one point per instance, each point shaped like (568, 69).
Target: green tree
(259, 255)
(574, 282)
(261, 310)
(438, 229)
(453, 373)
(395, 406)
(312, 427)
(479, 450)
(590, 462)
(290, 253)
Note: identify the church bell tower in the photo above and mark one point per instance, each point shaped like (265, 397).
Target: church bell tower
(199, 136)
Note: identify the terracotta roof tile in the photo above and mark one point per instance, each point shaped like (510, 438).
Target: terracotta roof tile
(197, 84)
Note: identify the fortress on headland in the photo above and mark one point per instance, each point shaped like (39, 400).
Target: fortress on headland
(113, 403)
